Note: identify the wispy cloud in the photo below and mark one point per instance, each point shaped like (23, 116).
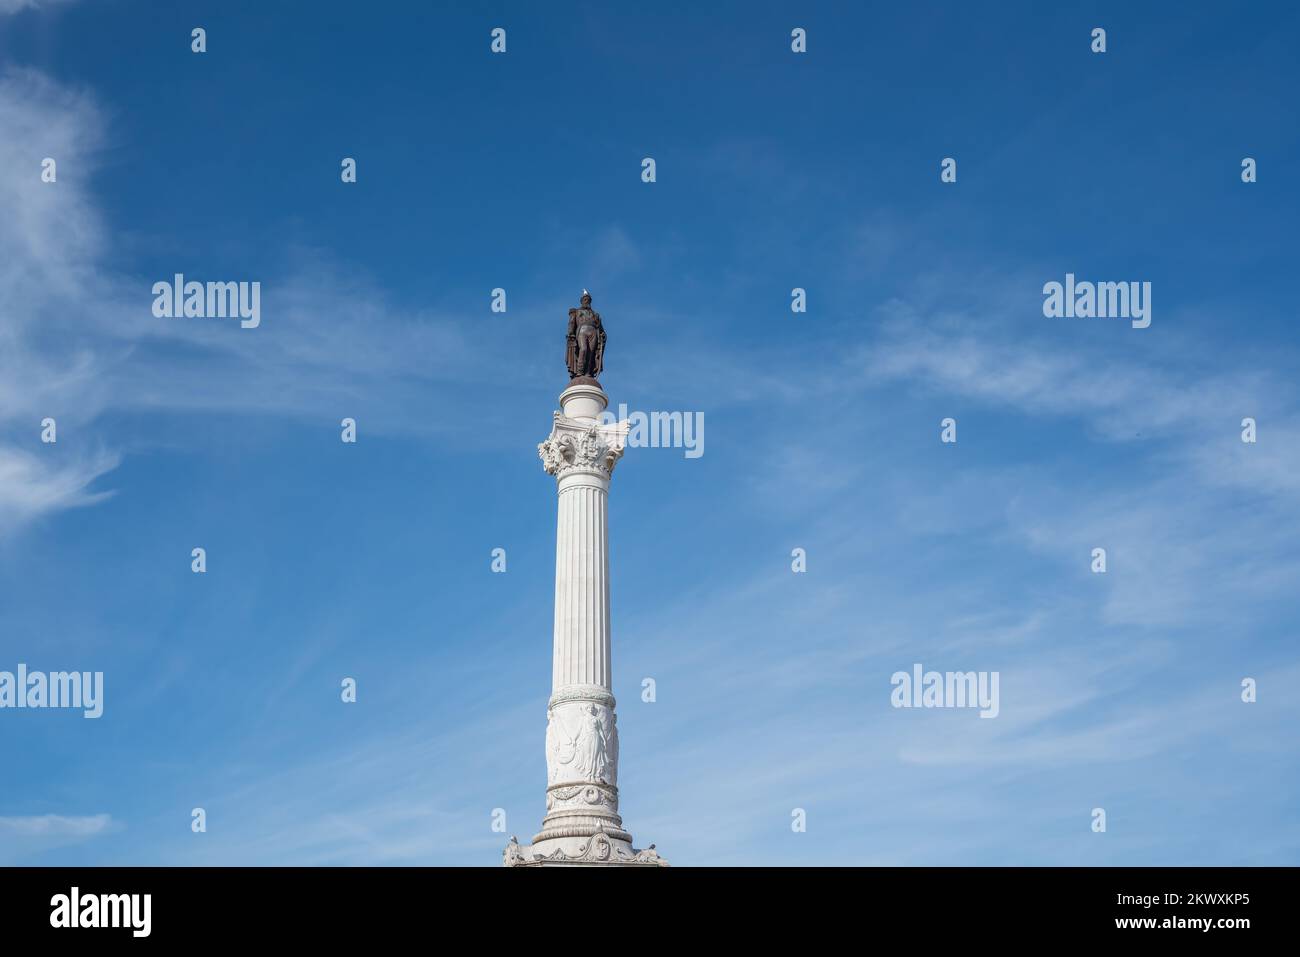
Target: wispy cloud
(78, 339)
(22, 836)
(55, 826)
(30, 486)
(1122, 388)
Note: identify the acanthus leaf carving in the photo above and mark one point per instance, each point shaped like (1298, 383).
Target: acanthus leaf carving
(574, 446)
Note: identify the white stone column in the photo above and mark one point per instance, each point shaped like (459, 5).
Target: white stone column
(582, 824)
(582, 582)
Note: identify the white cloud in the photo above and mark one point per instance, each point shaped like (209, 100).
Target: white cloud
(78, 338)
(31, 487)
(1118, 387)
(1198, 525)
(55, 826)
(30, 835)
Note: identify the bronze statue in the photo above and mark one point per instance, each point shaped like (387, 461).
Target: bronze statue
(584, 352)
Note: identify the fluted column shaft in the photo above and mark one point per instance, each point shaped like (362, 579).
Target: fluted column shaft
(582, 646)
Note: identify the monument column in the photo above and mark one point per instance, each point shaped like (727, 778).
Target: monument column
(582, 823)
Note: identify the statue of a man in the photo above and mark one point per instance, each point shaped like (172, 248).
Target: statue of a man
(584, 352)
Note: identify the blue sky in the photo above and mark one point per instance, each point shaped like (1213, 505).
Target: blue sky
(774, 170)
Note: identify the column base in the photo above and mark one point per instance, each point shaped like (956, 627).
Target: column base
(598, 850)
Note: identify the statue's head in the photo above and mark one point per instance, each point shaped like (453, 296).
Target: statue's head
(586, 298)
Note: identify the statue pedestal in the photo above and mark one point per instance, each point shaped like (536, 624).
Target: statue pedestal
(595, 851)
(582, 824)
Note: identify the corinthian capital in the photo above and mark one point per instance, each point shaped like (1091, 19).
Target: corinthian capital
(574, 446)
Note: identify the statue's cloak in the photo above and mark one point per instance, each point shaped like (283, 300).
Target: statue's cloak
(600, 347)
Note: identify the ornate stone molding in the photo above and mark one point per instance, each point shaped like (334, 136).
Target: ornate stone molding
(570, 826)
(574, 446)
(592, 693)
(600, 848)
(581, 794)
